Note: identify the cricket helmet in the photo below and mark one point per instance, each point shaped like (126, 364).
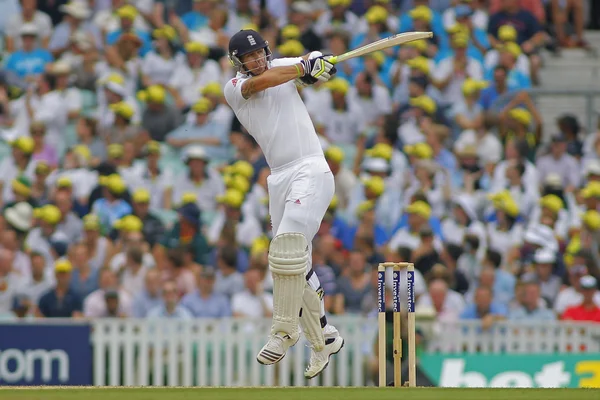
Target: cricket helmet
(244, 42)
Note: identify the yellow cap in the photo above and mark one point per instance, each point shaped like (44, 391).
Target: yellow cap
(202, 106)
(504, 201)
(232, 198)
(241, 167)
(378, 56)
(458, 28)
(251, 26)
(375, 184)
(365, 206)
(259, 246)
(114, 78)
(335, 154)
(42, 167)
(420, 208)
(197, 47)
(376, 15)
(471, 86)
(152, 147)
(237, 182)
(338, 85)
(48, 213)
(212, 88)
(552, 202)
(153, 94)
(334, 203)
(290, 32)
(381, 150)
(115, 150)
(63, 265)
(91, 222)
(123, 109)
(512, 48)
(128, 12)
(591, 219)
(419, 63)
(420, 45)
(189, 198)
(422, 151)
(521, 115)
(421, 13)
(425, 103)
(592, 189)
(129, 223)
(83, 151)
(24, 143)
(291, 48)
(141, 196)
(64, 182)
(166, 32)
(22, 186)
(507, 33)
(114, 183)
(460, 40)
(335, 3)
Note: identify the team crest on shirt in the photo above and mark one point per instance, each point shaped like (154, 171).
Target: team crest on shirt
(234, 81)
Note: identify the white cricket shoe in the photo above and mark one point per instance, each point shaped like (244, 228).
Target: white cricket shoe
(275, 349)
(319, 359)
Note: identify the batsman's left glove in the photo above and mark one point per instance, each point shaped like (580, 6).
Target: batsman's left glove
(317, 69)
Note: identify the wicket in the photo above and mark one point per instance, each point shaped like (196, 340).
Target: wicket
(397, 343)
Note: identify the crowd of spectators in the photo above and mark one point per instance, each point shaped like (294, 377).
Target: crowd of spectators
(129, 189)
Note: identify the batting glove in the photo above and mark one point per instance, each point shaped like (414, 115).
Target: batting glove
(318, 69)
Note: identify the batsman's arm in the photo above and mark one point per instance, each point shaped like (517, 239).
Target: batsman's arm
(271, 78)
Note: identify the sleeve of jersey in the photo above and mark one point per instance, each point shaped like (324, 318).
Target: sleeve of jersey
(233, 92)
(282, 62)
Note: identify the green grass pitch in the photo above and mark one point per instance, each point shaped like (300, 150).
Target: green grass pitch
(319, 393)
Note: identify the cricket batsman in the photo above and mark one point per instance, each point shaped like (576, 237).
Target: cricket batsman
(265, 99)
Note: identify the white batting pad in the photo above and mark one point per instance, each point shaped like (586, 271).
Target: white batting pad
(310, 320)
(288, 259)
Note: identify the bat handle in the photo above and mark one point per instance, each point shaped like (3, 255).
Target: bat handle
(333, 59)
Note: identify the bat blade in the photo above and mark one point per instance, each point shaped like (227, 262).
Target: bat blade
(382, 44)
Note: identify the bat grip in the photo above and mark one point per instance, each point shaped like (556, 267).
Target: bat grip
(333, 59)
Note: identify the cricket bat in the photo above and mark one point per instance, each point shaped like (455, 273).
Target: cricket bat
(394, 40)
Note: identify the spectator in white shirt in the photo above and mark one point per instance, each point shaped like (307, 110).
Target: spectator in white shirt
(96, 305)
(447, 304)
(41, 279)
(229, 280)
(149, 297)
(253, 302)
(10, 282)
(160, 64)
(450, 73)
(29, 14)
(133, 275)
(371, 98)
(20, 162)
(571, 296)
(558, 161)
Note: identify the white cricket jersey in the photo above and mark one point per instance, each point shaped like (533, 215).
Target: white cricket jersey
(277, 118)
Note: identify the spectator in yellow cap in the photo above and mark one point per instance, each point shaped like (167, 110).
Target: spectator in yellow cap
(123, 128)
(21, 189)
(126, 20)
(43, 150)
(61, 301)
(509, 55)
(468, 113)
(159, 118)
(18, 164)
(160, 63)
(451, 72)
(337, 17)
(42, 238)
(212, 135)
(40, 191)
(70, 223)
(158, 181)
(345, 180)
(366, 229)
(492, 57)
(222, 113)
(153, 229)
(407, 21)
(338, 122)
(87, 135)
(516, 122)
(504, 232)
(192, 75)
(478, 17)
(375, 26)
(247, 228)
(111, 206)
(411, 235)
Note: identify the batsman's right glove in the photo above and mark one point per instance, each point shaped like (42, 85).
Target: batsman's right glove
(317, 69)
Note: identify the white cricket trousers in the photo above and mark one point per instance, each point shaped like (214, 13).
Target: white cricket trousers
(299, 195)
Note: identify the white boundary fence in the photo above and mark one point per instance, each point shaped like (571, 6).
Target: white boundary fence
(222, 352)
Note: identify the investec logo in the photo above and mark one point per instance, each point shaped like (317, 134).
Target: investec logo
(18, 365)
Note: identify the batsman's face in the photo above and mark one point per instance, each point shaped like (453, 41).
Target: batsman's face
(255, 62)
